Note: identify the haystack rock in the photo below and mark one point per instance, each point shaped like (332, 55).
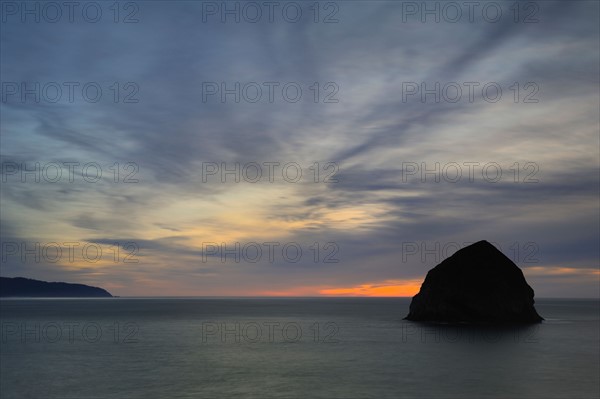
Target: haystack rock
(478, 284)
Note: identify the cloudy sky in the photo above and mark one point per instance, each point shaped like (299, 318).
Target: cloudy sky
(332, 148)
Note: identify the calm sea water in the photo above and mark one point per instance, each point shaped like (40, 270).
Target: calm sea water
(287, 348)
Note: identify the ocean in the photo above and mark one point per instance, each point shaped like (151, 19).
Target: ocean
(288, 348)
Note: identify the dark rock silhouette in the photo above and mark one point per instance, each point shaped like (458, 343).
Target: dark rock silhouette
(478, 284)
(24, 287)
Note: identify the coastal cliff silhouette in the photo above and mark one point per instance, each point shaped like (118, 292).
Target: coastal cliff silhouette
(24, 287)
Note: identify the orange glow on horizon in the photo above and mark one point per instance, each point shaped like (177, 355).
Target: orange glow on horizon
(388, 288)
(402, 288)
(559, 271)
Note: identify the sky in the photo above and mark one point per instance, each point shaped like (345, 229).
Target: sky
(339, 148)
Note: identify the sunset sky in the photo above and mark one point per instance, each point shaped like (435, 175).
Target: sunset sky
(378, 224)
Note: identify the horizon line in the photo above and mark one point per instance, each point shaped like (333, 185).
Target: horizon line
(248, 296)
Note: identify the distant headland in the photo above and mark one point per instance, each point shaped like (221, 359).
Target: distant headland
(25, 287)
(478, 284)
